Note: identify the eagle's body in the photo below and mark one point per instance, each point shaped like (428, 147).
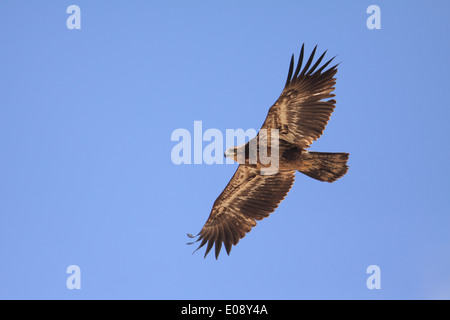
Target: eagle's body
(296, 119)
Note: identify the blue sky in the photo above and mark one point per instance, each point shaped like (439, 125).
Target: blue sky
(86, 176)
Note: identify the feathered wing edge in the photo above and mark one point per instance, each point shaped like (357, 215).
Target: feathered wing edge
(306, 71)
(240, 205)
(302, 112)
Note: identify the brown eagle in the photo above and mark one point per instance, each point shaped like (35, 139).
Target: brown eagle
(298, 118)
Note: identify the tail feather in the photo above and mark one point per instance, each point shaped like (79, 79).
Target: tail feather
(324, 166)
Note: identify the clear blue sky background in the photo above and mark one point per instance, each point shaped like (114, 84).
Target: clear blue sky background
(86, 176)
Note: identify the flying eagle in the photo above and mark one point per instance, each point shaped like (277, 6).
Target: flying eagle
(299, 117)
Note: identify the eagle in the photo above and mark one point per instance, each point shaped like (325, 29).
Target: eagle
(296, 119)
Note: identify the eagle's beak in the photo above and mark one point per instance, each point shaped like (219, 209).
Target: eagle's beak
(229, 153)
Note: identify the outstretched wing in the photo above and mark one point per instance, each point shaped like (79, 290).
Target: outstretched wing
(248, 197)
(300, 113)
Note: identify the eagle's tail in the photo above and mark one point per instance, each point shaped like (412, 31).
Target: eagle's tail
(324, 166)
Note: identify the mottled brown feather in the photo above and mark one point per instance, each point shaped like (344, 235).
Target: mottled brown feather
(249, 196)
(302, 111)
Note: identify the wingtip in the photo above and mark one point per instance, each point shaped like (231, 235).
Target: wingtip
(192, 236)
(291, 69)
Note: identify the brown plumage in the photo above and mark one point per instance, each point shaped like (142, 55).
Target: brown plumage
(299, 115)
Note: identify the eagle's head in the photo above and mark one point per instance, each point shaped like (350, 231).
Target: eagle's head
(236, 153)
(230, 152)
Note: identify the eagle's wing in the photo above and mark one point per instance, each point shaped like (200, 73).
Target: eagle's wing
(300, 113)
(249, 196)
